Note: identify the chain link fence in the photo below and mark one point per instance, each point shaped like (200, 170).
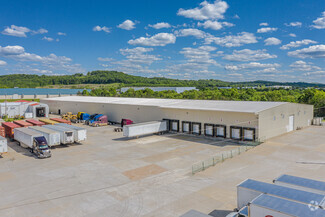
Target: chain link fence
(220, 157)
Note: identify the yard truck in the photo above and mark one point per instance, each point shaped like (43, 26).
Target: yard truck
(32, 140)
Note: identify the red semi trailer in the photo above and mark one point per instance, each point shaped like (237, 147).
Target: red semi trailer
(9, 128)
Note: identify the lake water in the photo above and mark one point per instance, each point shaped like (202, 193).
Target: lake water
(38, 91)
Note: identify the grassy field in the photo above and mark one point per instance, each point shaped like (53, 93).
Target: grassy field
(83, 86)
(14, 100)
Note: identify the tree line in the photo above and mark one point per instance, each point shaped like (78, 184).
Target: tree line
(110, 77)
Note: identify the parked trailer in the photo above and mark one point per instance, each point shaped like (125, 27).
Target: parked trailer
(250, 189)
(66, 135)
(48, 121)
(22, 123)
(35, 122)
(80, 133)
(33, 140)
(2, 132)
(269, 206)
(60, 120)
(9, 129)
(52, 137)
(3, 145)
(144, 128)
(299, 183)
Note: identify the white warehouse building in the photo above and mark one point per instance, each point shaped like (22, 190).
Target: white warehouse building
(242, 120)
(28, 109)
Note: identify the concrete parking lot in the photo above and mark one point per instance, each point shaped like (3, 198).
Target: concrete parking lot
(109, 175)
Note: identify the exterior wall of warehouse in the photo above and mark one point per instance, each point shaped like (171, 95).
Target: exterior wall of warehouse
(213, 117)
(275, 121)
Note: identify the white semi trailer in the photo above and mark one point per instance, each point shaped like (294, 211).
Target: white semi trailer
(35, 141)
(3, 145)
(270, 206)
(146, 128)
(80, 133)
(66, 135)
(52, 137)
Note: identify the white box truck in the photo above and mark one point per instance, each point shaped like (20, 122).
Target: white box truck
(144, 128)
(66, 135)
(300, 183)
(270, 206)
(32, 140)
(80, 133)
(52, 137)
(250, 189)
(3, 145)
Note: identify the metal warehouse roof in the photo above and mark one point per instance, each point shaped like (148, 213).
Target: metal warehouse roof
(284, 192)
(287, 207)
(308, 183)
(208, 105)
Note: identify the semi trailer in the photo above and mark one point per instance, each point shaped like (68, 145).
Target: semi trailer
(32, 140)
(146, 128)
(80, 133)
(52, 137)
(66, 135)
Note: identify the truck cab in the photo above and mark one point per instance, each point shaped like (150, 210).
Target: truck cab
(41, 148)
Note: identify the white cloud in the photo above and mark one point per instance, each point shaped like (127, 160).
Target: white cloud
(260, 67)
(297, 44)
(266, 29)
(18, 31)
(292, 35)
(319, 23)
(200, 55)
(47, 38)
(160, 25)
(160, 39)
(62, 33)
(104, 29)
(315, 51)
(248, 55)
(41, 31)
(264, 24)
(3, 63)
(139, 55)
(303, 66)
(127, 25)
(206, 11)
(294, 24)
(232, 40)
(272, 41)
(104, 59)
(190, 32)
(50, 62)
(215, 25)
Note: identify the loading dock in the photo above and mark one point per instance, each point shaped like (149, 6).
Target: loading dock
(186, 127)
(196, 128)
(174, 125)
(209, 130)
(236, 132)
(220, 130)
(249, 134)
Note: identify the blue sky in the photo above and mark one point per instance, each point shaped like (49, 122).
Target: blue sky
(228, 40)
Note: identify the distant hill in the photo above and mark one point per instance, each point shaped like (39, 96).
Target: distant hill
(113, 77)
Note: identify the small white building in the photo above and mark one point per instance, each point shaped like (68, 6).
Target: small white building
(24, 108)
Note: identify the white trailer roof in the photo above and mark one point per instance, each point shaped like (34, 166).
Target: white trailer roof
(208, 105)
